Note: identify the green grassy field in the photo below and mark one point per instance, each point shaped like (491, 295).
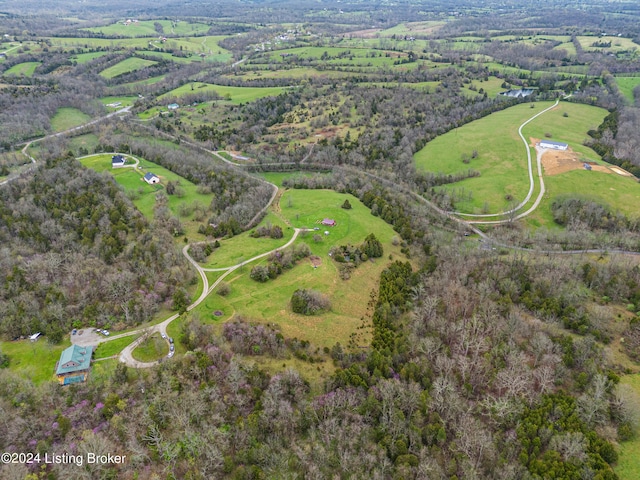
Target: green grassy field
(626, 86)
(128, 65)
(295, 73)
(234, 94)
(81, 58)
(152, 349)
(148, 81)
(243, 247)
(66, 118)
(27, 69)
(88, 141)
(113, 347)
(34, 360)
(618, 44)
(628, 467)
(93, 43)
(143, 194)
(501, 157)
(124, 101)
(269, 302)
(146, 28)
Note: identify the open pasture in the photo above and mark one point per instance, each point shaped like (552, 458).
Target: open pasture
(626, 86)
(234, 94)
(130, 64)
(269, 302)
(27, 69)
(617, 44)
(150, 28)
(67, 117)
(501, 158)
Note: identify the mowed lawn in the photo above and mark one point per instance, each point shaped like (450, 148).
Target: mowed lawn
(151, 349)
(143, 194)
(130, 64)
(67, 117)
(269, 302)
(628, 467)
(33, 360)
(234, 94)
(26, 69)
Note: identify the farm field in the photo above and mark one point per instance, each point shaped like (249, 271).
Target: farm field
(501, 158)
(128, 65)
(147, 28)
(264, 302)
(234, 94)
(294, 73)
(143, 194)
(67, 117)
(93, 43)
(618, 44)
(81, 58)
(626, 86)
(27, 69)
(124, 101)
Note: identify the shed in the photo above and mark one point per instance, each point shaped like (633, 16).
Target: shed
(151, 178)
(173, 106)
(329, 222)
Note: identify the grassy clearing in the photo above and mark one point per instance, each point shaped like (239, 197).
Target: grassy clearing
(294, 73)
(234, 94)
(33, 360)
(87, 57)
(94, 43)
(147, 28)
(501, 157)
(123, 101)
(269, 302)
(88, 141)
(143, 194)
(618, 44)
(628, 467)
(128, 65)
(148, 81)
(27, 69)
(113, 347)
(626, 86)
(66, 118)
(243, 247)
(151, 349)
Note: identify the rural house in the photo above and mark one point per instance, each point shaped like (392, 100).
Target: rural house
(151, 178)
(553, 145)
(117, 161)
(74, 364)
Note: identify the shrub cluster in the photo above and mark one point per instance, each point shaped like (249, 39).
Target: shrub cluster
(279, 261)
(309, 302)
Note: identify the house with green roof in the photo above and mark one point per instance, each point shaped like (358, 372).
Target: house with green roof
(74, 364)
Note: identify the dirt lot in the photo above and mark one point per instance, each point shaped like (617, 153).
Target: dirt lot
(315, 261)
(556, 162)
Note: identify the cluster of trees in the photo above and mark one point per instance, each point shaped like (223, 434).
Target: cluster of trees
(279, 261)
(309, 302)
(64, 228)
(268, 230)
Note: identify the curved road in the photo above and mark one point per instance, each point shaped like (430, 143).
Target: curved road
(531, 182)
(126, 356)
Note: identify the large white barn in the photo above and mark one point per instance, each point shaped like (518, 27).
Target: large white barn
(553, 145)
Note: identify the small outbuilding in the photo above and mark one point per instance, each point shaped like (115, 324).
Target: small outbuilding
(74, 365)
(587, 166)
(173, 106)
(329, 222)
(553, 145)
(117, 161)
(151, 178)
